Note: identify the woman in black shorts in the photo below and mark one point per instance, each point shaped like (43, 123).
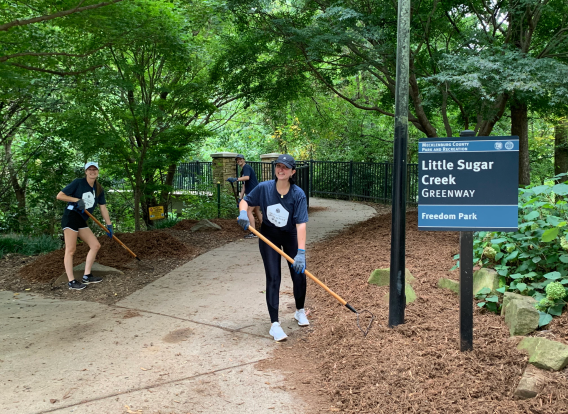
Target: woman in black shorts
(82, 194)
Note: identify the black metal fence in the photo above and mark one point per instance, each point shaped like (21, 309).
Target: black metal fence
(193, 176)
(351, 180)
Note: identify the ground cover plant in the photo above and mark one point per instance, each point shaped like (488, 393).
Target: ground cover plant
(28, 245)
(534, 260)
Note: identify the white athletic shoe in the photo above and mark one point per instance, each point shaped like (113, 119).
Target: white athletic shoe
(301, 317)
(277, 332)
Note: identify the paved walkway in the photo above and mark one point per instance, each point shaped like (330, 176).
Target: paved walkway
(186, 343)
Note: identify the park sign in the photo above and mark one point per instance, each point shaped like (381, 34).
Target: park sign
(468, 183)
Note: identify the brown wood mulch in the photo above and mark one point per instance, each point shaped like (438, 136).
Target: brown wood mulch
(415, 367)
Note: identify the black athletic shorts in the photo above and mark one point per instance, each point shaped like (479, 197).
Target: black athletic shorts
(73, 220)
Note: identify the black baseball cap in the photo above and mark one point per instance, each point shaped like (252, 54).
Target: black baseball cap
(240, 156)
(287, 160)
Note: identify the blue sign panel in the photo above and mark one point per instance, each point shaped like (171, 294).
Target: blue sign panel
(468, 184)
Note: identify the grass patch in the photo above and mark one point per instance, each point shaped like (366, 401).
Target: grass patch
(28, 245)
(166, 223)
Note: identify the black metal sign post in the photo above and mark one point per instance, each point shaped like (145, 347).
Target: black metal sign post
(466, 290)
(466, 282)
(397, 299)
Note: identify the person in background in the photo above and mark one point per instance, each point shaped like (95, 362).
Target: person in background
(248, 177)
(285, 212)
(82, 194)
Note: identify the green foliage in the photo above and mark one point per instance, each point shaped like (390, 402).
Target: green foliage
(206, 205)
(168, 222)
(488, 301)
(28, 245)
(534, 260)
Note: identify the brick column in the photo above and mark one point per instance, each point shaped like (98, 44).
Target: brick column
(224, 166)
(267, 172)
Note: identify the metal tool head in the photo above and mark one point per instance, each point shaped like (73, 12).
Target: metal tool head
(360, 321)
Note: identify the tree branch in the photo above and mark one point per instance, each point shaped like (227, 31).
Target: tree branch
(54, 72)
(15, 55)
(7, 26)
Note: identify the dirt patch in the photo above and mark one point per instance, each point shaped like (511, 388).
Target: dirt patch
(160, 252)
(417, 366)
(178, 335)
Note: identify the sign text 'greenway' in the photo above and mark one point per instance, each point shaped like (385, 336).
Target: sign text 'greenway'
(468, 184)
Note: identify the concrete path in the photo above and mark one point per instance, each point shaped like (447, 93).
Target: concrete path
(186, 343)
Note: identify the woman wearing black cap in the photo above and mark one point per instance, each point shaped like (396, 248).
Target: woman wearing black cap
(82, 194)
(285, 214)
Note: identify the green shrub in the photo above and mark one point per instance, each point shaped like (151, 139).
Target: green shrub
(28, 245)
(537, 254)
(169, 221)
(206, 205)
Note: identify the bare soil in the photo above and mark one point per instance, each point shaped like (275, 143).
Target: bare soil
(414, 367)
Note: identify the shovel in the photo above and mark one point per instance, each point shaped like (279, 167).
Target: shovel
(113, 236)
(319, 282)
(235, 194)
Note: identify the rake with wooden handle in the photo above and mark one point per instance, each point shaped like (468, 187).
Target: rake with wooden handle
(319, 282)
(113, 236)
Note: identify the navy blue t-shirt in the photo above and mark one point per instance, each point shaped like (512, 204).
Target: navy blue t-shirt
(277, 211)
(252, 181)
(80, 188)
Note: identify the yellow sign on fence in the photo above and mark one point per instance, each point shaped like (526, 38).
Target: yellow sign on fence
(156, 213)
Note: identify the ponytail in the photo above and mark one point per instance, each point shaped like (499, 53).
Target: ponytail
(99, 188)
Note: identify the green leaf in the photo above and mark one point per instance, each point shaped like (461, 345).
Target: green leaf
(550, 234)
(457, 256)
(498, 256)
(493, 298)
(544, 319)
(500, 240)
(540, 189)
(536, 259)
(553, 275)
(560, 189)
(521, 287)
(556, 310)
(481, 304)
(516, 276)
(532, 215)
(493, 307)
(484, 291)
(512, 255)
(563, 258)
(502, 289)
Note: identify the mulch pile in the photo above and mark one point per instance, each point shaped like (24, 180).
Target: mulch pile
(145, 244)
(417, 366)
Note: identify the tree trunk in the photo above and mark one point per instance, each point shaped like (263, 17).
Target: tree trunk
(165, 195)
(520, 127)
(561, 148)
(19, 190)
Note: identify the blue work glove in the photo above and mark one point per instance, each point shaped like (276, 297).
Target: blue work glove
(80, 205)
(243, 219)
(231, 179)
(110, 231)
(299, 264)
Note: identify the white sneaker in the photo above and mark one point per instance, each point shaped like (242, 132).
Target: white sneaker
(277, 332)
(301, 317)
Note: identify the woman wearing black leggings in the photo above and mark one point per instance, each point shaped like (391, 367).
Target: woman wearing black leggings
(285, 214)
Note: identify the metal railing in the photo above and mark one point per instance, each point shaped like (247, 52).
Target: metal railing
(193, 176)
(351, 180)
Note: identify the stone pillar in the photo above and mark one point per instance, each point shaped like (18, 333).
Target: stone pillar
(224, 166)
(266, 171)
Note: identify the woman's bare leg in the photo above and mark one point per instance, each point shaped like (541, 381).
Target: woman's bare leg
(88, 237)
(70, 247)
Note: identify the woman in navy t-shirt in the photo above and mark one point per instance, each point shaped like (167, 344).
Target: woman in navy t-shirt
(82, 194)
(285, 214)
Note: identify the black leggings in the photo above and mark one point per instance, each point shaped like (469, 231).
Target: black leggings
(289, 243)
